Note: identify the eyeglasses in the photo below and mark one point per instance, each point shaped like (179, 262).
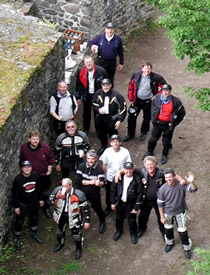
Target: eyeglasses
(70, 127)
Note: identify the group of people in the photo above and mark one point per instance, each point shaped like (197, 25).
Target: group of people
(129, 190)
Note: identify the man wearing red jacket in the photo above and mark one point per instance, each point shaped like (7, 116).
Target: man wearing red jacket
(87, 83)
(42, 159)
(143, 86)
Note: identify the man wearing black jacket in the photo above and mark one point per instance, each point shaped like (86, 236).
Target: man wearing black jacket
(88, 81)
(167, 112)
(110, 111)
(126, 198)
(26, 198)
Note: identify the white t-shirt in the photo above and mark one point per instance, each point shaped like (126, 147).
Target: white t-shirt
(126, 183)
(114, 161)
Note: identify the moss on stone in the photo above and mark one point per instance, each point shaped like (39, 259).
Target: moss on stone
(18, 62)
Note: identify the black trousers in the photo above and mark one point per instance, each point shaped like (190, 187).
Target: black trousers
(109, 66)
(95, 201)
(33, 211)
(161, 128)
(59, 126)
(87, 107)
(105, 127)
(143, 217)
(144, 105)
(45, 183)
(108, 190)
(73, 165)
(122, 208)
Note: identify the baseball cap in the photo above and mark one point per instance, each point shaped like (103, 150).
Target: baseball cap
(128, 165)
(115, 137)
(167, 87)
(105, 81)
(25, 163)
(110, 25)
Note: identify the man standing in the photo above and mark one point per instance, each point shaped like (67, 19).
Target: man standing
(108, 46)
(71, 209)
(63, 106)
(42, 159)
(89, 179)
(26, 197)
(110, 111)
(172, 207)
(144, 84)
(128, 194)
(167, 113)
(87, 83)
(113, 160)
(71, 148)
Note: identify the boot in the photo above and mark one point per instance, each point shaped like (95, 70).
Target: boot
(36, 237)
(17, 242)
(78, 252)
(59, 245)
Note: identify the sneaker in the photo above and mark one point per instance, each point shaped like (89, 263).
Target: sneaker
(36, 237)
(127, 138)
(164, 159)
(147, 154)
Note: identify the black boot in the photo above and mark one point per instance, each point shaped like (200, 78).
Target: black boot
(59, 245)
(78, 252)
(17, 242)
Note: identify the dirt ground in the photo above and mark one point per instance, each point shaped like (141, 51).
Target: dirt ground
(191, 142)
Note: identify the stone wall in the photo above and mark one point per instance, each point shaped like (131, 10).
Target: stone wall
(90, 17)
(30, 98)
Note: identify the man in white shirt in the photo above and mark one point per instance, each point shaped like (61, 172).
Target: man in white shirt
(63, 107)
(113, 160)
(126, 197)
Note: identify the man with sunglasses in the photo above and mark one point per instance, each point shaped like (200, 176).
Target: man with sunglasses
(71, 148)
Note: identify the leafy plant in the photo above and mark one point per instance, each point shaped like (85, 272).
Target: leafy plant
(6, 252)
(48, 23)
(188, 26)
(201, 266)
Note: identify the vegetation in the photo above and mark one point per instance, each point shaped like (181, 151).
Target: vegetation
(201, 266)
(188, 26)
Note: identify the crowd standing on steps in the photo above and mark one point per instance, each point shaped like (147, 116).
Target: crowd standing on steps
(131, 192)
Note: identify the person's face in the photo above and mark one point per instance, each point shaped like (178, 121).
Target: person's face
(67, 186)
(106, 87)
(109, 31)
(115, 143)
(26, 170)
(34, 141)
(89, 64)
(71, 129)
(91, 160)
(146, 70)
(150, 166)
(128, 172)
(166, 93)
(62, 88)
(170, 179)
